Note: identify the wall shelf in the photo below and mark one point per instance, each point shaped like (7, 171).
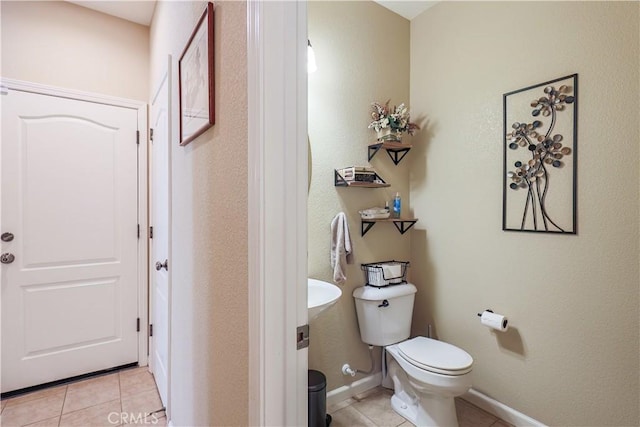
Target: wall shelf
(339, 181)
(395, 150)
(402, 224)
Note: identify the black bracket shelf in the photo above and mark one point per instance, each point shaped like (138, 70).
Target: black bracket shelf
(395, 150)
(403, 225)
(339, 181)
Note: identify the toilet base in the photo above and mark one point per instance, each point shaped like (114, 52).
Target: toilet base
(438, 412)
(418, 405)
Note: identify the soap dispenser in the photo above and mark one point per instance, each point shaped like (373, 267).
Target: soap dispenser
(397, 206)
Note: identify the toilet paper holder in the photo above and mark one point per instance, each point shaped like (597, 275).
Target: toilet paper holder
(488, 309)
(493, 320)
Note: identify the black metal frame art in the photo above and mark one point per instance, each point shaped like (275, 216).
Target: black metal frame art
(535, 199)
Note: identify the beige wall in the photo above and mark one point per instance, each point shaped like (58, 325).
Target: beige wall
(62, 44)
(571, 356)
(209, 349)
(357, 64)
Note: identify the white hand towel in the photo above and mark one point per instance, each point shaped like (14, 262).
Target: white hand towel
(392, 272)
(341, 251)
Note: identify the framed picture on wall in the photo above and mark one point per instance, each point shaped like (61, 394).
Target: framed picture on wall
(196, 80)
(540, 158)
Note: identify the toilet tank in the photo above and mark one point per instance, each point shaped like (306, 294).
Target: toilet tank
(384, 314)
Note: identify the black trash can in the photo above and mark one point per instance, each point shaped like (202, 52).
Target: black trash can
(318, 416)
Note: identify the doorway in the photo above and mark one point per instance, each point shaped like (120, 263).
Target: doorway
(73, 219)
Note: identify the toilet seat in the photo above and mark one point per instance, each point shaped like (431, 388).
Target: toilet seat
(435, 356)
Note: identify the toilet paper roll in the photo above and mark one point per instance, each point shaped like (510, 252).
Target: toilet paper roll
(494, 321)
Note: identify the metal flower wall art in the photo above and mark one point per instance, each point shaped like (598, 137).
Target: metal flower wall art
(539, 191)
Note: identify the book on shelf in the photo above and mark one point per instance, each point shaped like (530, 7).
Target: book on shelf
(358, 173)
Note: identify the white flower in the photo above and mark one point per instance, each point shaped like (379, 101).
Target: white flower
(396, 118)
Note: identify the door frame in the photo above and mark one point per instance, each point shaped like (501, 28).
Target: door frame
(277, 208)
(141, 109)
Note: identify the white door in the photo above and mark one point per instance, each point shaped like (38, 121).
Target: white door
(160, 206)
(69, 198)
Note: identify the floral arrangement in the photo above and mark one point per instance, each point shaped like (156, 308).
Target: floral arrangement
(396, 119)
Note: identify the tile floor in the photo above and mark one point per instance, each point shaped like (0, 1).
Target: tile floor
(373, 409)
(120, 398)
(124, 398)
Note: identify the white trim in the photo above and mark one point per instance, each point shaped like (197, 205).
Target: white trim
(350, 390)
(255, 113)
(143, 241)
(500, 410)
(61, 92)
(141, 108)
(277, 193)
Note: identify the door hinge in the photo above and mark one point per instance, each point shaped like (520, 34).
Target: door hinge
(138, 137)
(138, 231)
(138, 324)
(151, 330)
(151, 232)
(302, 336)
(151, 134)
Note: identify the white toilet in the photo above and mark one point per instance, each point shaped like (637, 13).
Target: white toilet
(427, 374)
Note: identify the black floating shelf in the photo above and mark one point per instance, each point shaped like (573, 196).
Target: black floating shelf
(339, 181)
(395, 150)
(402, 224)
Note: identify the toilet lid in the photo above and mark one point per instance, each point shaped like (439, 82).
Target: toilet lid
(436, 356)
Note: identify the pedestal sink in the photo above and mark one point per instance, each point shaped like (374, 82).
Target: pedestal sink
(320, 296)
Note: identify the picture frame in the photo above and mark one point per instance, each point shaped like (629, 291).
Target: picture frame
(540, 157)
(196, 80)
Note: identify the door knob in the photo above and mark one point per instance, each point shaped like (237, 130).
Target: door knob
(7, 258)
(6, 237)
(160, 265)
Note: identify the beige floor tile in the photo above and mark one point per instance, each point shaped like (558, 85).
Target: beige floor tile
(107, 414)
(91, 392)
(142, 403)
(373, 408)
(350, 417)
(339, 405)
(2, 405)
(49, 422)
(133, 371)
(47, 392)
(135, 382)
(159, 420)
(377, 408)
(32, 411)
(471, 416)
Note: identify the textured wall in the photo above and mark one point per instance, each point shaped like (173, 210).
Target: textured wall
(62, 44)
(209, 348)
(357, 64)
(571, 357)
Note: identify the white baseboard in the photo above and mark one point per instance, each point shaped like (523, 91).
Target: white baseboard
(356, 387)
(500, 410)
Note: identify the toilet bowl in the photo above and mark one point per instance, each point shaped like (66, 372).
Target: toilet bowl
(426, 374)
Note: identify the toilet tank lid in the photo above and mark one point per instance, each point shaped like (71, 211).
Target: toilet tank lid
(371, 293)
